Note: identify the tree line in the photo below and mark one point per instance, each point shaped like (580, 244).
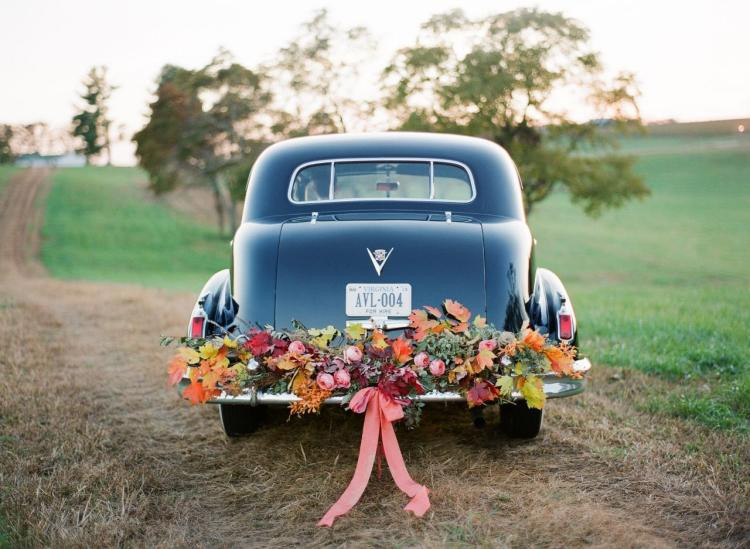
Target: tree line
(512, 78)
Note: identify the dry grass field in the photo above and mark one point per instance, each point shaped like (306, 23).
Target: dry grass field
(95, 452)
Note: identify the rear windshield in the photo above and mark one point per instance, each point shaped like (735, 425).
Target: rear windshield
(382, 180)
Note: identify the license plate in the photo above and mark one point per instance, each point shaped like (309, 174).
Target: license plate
(369, 300)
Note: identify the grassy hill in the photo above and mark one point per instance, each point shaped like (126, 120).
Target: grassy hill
(659, 285)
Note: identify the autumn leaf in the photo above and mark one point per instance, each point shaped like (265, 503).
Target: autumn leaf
(190, 355)
(195, 393)
(457, 311)
(480, 321)
(533, 340)
(461, 327)
(300, 381)
(285, 364)
(230, 343)
(207, 351)
(457, 374)
(355, 331)
(210, 379)
(482, 391)
(437, 313)
(561, 360)
(422, 324)
(484, 359)
(532, 389)
(176, 369)
(401, 350)
(321, 338)
(379, 340)
(505, 385)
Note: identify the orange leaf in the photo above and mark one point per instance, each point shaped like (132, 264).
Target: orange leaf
(379, 340)
(195, 393)
(457, 311)
(177, 369)
(533, 340)
(484, 359)
(437, 313)
(561, 360)
(460, 327)
(401, 350)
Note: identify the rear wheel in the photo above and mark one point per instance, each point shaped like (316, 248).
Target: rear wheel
(519, 421)
(240, 419)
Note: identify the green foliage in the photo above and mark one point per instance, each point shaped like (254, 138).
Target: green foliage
(204, 129)
(99, 227)
(6, 137)
(661, 286)
(507, 84)
(92, 123)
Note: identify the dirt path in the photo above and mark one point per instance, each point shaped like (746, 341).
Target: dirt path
(95, 451)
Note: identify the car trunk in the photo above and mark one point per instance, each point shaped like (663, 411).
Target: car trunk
(316, 261)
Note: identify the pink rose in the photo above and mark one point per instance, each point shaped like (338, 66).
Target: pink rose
(325, 381)
(342, 379)
(353, 354)
(422, 360)
(437, 367)
(487, 345)
(297, 348)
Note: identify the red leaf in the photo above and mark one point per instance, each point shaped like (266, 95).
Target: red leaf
(482, 391)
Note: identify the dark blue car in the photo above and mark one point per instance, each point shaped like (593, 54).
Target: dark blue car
(363, 228)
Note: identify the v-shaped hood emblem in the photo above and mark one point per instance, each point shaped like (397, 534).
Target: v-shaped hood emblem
(378, 258)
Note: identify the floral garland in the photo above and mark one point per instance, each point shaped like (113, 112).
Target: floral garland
(442, 350)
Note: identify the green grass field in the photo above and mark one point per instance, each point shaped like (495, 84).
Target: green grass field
(659, 285)
(101, 225)
(662, 285)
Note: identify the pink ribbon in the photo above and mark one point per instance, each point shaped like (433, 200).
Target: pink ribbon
(382, 411)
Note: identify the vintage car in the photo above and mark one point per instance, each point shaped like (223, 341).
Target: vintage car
(361, 228)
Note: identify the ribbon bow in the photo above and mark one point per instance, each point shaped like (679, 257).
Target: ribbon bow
(382, 411)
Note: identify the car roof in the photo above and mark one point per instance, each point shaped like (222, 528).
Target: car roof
(495, 175)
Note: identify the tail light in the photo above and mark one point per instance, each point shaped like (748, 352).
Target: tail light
(565, 327)
(198, 326)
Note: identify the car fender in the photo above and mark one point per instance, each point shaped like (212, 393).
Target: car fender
(216, 303)
(546, 300)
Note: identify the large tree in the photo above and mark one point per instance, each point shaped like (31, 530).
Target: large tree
(92, 123)
(205, 128)
(513, 78)
(315, 79)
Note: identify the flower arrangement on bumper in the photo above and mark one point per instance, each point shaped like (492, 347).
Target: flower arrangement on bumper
(442, 350)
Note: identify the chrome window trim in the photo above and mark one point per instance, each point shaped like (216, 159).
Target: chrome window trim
(332, 162)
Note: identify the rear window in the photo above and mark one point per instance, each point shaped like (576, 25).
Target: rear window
(382, 180)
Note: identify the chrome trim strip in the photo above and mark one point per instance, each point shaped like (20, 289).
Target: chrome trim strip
(554, 387)
(332, 162)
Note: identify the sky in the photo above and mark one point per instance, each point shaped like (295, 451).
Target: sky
(690, 56)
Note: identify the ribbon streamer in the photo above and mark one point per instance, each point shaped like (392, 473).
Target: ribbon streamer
(381, 412)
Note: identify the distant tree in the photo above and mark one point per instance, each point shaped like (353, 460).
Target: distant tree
(205, 129)
(6, 140)
(314, 77)
(92, 122)
(511, 78)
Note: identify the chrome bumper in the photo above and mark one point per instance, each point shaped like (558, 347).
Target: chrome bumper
(554, 387)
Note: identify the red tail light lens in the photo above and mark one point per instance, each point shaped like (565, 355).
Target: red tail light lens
(197, 324)
(564, 326)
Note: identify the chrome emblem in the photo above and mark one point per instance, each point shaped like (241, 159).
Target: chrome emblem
(378, 258)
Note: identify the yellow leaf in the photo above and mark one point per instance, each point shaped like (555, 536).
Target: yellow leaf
(532, 390)
(505, 384)
(484, 359)
(190, 356)
(480, 321)
(321, 338)
(207, 351)
(355, 331)
(456, 374)
(285, 364)
(300, 380)
(230, 343)
(378, 340)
